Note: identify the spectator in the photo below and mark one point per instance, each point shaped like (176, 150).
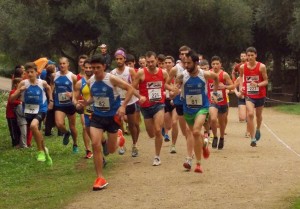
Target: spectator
(103, 49)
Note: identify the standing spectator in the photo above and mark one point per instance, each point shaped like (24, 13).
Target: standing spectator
(104, 53)
(14, 129)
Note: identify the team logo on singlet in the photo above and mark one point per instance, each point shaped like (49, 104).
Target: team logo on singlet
(252, 78)
(154, 85)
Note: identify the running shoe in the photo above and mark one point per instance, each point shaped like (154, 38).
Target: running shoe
(215, 143)
(206, 151)
(257, 134)
(104, 148)
(75, 149)
(122, 150)
(221, 143)
(66, 138)
(134, 152)
(156, 161)
(198, 168)
(48, 158)
(163, 132)
(167, 138)
(89, 154)
(253, 143)
(99, 184)
(41, 157)
(173, 149)
(121, 138)
(188, 163)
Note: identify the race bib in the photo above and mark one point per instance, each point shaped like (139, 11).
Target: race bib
(89, 109)
(194, 100)
(102, 103)
(63, 98)
(252, 90)
(154, 95)
(220, 97)
(31, 109)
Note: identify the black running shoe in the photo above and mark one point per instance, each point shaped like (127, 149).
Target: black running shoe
(221, 143)
(215, 143)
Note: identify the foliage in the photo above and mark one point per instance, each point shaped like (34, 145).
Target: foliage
(26, 183)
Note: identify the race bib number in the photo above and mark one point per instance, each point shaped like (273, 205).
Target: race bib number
(89, 109)
(154, 95)
(31, 109)
(220, 97)
(252, 90)
(102, 103)
(194, 100)
(63, 98)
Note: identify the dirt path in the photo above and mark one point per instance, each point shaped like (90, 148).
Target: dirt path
(237, 177)
(5, 84)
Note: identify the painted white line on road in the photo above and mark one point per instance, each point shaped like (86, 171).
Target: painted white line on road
(281, 141)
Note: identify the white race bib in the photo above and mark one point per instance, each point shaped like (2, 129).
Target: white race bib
(154, 95)
(31, 109)
(63, 98)
(194, 100)
(102, 103)
(252, 90)
(220, 96)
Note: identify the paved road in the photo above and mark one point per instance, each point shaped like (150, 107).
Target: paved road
(5, 84)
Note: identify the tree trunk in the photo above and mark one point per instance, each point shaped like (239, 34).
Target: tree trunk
(277, 74)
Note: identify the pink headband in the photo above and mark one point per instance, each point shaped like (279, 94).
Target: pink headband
(120, 52)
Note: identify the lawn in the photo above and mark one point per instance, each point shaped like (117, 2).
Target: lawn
(291, 109)
(28, 184)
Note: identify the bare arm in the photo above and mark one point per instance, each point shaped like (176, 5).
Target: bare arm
(264, 74)
(229, 83)
(50, 95)
(17, 93)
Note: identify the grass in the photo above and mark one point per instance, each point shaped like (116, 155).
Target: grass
(295, 110)
(290, 109)
(28, 184)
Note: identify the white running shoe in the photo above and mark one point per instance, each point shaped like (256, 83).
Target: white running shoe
(156, 161)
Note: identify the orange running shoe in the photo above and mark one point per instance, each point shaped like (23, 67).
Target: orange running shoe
(206, 152)
(198, 168)
(89, 154)
(99, 184)
(121, 138)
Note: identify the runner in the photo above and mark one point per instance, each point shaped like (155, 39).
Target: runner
(151, 83)
(218, 111)
(142, 62)
(241, 105)
(64, 82)
(35, 107)
(235, 72)
(82, 90)
(128, 74)
(107, 112)
(170, 118)
(255, 80)
(196, 102)
(177, 70)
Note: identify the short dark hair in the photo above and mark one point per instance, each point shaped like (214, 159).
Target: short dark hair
(161, 57)
(87, 61)
(216, 58)
(130, 58)
(98, 59)
(150, 53)
(30, 65)
(251, 49)
(184, 48)
(192, 54)
(83, 56)
(171, 58)
(203, 62)
(18, 72)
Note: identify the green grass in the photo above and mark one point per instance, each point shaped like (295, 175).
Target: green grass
(291, 109)
(296, 204)
(26, 183)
